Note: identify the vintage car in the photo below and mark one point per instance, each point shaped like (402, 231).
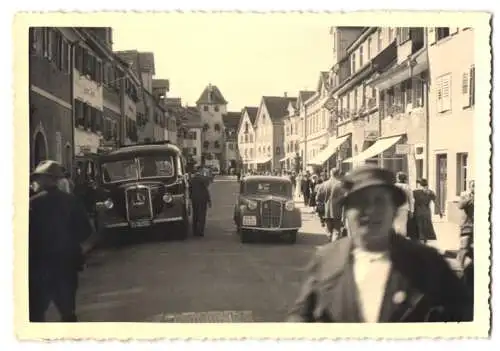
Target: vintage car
(144, 187)
(265, 205)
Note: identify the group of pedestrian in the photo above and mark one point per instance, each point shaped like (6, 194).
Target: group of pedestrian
(375, 274)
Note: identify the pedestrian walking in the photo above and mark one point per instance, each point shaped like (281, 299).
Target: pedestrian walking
(333, 212)
(403, 220)
(200, 200)
(422, 218)
(58, 228)
(375, 275)
(305, 187)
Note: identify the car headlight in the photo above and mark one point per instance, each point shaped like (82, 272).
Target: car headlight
(289, 205)
(167, 198)
(252, 205)
(109, 204)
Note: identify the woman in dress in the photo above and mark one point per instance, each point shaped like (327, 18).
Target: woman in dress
(422, 215)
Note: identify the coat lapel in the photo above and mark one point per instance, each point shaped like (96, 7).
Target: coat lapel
(400, 297)
(338, 293)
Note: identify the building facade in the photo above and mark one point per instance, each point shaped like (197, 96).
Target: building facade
(451, 107)
(302, 97)
(291, 136)
(50, 95)
(246, 137)
(269, 132)
(212, 106)
(231, 155)
(403, 105)
(317, 122)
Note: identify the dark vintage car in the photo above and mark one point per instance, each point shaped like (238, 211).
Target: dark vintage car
(265, 205)
(144, 187)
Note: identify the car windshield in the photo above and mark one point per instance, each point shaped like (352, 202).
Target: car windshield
(140, 168)
(268, 188)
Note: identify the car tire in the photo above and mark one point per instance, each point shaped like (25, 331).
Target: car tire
(292, 237)
(246, 236)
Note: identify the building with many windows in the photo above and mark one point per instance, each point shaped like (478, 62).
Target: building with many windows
(246, 136)
(50, 94)
(231, 155)
(451, 107)
(269, 134)
(291, 137)
(212, 107)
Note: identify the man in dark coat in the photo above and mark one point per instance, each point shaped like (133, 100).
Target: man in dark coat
(200, 199)
(375, 275)
(333, 212)
(58, 226)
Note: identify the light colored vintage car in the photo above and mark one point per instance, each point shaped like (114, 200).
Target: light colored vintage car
(265, 205)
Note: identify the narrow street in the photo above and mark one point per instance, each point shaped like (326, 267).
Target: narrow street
(215, 278)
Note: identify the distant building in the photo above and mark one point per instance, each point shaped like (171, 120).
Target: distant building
(231, 155)
(212, 107)
(246, 137)
(292, 138)
(269, 140)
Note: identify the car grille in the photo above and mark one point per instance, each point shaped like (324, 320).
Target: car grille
(138, 203)
(271, 212)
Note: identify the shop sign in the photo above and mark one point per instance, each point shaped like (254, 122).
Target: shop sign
(88, 91)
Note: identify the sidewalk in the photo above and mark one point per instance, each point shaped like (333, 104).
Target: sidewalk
(448, 239)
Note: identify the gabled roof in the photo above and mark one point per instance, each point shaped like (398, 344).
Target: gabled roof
(252, 112)
(231, 120)
(305, 95)
(277, 106)
(211, 95)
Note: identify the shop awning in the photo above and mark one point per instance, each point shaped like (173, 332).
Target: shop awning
(380, 146)
(328, 151)
(407, 69)
(263, 160)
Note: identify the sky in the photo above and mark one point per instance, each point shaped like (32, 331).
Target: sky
(245, 55)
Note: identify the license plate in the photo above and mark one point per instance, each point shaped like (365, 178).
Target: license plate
(140, 224)
(250, 220)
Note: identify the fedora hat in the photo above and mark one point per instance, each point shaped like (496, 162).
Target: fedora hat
(370, 176)
(50, 168)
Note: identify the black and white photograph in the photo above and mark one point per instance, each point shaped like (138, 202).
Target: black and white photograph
(254, 168)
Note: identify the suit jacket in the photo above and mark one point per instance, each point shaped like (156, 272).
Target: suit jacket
(198, 190)
(421, 287)
(332, 210)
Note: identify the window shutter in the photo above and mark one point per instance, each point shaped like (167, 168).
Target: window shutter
(439, 94)
(472, 86)
(446, 93)
(465, 90)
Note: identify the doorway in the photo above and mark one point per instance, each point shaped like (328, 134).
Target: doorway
(441, 181)
(40, 149)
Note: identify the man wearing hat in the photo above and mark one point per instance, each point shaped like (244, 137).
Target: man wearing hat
(200, 200)
(58, 226)
(375, 275)
(333, 212)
